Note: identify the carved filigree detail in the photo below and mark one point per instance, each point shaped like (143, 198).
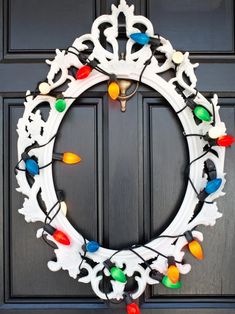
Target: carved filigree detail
(110, 60)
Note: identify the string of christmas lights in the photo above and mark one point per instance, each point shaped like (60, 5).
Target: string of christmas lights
(214, 137)
(31, 164)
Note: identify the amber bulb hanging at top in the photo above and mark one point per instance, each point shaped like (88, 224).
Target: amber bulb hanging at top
(195, 249)
(114, 90)
(71, 158)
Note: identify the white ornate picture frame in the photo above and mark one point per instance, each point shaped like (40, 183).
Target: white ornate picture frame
(30, 128)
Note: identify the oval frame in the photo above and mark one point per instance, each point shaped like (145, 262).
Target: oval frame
(69, 258)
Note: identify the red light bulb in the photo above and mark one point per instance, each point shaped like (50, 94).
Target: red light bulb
(61, 237)
(83, 72)
(58, 235)
(225, 140)
(132, 308)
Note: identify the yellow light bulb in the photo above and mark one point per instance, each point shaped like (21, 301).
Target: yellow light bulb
(114, 90)
(63, 208)
(71, 158)
(173, 273)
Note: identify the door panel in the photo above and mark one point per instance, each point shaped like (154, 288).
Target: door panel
(45, 26)
(130, 183)
(28, 257)
(166, 169)
(212, 20)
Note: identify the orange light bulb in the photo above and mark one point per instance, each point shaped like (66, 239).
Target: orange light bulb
(71, 158)
(114, 90)
(196, 250)
(194, 246)
(173, 273)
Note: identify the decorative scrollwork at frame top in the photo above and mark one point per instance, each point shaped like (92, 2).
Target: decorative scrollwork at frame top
(110, 60)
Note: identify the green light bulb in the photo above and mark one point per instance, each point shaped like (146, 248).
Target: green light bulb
(60, 105)
(167, 283)
(118, 274)
(202, 113)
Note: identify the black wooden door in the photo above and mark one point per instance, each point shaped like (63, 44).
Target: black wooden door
(130, 184)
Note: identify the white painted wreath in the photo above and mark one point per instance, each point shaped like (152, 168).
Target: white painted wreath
(33, 129)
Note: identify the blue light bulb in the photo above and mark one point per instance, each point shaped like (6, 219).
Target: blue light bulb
(213, 185)
(140, 38)
(32, 166)
(92, 246)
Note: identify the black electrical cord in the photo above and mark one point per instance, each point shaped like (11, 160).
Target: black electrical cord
(213, 114)
(34, 146)
(193, 134)
(185, 98)
(51, 219)
(159, 253)
(182, 109)
(147, 62)
(84, 255)
(40, 168)
(144, 261)
(186, 135)
(190, 180)
(93, 64)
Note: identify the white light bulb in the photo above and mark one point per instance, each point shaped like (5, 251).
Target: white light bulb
(177, 57)
(63, 208)
(44, 88)
(216, 132)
